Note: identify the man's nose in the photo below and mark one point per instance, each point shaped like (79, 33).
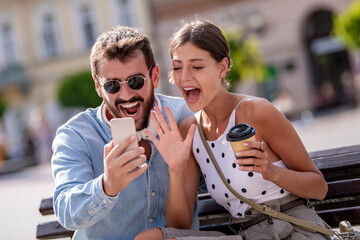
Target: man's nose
(125, 91)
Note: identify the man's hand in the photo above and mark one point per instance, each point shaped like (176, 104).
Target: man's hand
(120, 167)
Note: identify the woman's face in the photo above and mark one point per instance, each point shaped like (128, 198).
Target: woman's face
(197, 75)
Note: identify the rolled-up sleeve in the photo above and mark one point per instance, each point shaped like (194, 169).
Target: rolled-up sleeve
(79, 198)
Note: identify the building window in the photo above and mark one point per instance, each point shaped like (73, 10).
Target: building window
(125, 13)
(87, 26)
(7, 44)
(49, 36)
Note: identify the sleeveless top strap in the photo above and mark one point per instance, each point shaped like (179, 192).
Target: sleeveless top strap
(242, 100)
(198, 114)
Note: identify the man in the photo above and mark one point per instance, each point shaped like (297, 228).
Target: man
(99, 190)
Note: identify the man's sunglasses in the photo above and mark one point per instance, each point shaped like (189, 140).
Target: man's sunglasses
(134, 82)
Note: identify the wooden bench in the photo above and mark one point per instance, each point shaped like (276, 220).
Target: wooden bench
(341, 169)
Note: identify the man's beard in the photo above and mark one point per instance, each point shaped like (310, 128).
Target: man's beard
(143, 121)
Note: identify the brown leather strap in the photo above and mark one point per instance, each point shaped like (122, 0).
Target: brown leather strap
(262, 217)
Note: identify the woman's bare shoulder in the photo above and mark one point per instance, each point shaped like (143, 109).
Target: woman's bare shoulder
(186, 123)
(254, 108)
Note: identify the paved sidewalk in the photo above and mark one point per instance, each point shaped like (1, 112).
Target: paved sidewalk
(331, 131)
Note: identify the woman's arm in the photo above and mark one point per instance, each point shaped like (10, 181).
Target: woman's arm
(302, 177)
(184, 173)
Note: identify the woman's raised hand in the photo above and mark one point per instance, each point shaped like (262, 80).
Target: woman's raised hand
(171, 145)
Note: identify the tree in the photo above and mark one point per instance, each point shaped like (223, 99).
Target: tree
(78, 90)
(247, 61)
(347, 26)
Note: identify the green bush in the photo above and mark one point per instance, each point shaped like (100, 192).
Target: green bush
(78, 90)
(2, 107)
(247, 61)
(347, 25)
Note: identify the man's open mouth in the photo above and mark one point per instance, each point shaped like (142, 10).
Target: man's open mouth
(130, 109)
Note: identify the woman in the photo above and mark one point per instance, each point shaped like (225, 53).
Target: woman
(278, 174)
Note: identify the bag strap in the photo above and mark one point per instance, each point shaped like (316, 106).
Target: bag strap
(260, 207)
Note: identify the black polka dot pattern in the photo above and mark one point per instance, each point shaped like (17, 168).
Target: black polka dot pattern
(208, 160)
(282, 191)
(212, 145)
(263, 192)
(250, 174)
(226, 195)
(204, 175)
(241, 202)
(239, 214)
(223, 155)
(228, 180)
(229, 204)
(234, 165)
(243, 190)
(197, 150)
(213, 186)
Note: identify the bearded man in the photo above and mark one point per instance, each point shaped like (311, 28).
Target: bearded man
(100, 190)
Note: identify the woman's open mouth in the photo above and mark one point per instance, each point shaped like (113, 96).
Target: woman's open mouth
(192, 94)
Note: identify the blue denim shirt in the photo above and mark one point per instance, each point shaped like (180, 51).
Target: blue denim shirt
(79, 199)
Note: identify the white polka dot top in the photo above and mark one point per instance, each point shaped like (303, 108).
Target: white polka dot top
(249, 184)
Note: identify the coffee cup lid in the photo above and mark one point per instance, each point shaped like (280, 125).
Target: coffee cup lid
(240, 132)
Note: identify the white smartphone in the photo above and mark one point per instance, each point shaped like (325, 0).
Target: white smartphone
(121, 129)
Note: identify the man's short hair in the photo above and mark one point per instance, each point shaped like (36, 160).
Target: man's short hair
(120, 42)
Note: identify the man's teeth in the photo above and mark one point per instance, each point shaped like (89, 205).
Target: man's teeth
(189, 89)
(129, 105)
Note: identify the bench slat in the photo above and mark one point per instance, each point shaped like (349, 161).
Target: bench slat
(349, 187)
(46, 206)
(52, 230)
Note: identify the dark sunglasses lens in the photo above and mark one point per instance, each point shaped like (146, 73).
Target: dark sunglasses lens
(112, 86)
(136, 82)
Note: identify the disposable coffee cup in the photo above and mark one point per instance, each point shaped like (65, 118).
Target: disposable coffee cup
(239, 134)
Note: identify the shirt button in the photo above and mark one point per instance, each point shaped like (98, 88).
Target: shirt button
(104, 201)
(151, 220)
(89, 212)
(153, 194)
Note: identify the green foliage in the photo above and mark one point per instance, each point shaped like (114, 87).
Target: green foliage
(247, 61)
(2, 107)
(347, 25)
(78, 90)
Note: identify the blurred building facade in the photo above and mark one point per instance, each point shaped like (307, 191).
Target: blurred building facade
(43, 40)
(309, 68)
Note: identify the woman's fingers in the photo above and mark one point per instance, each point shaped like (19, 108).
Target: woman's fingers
(172, 121)
(157, 126)
(151, 137)
(161, 119)
(190, 134)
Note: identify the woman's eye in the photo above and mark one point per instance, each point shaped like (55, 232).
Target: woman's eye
(198, 67)
(175, 68)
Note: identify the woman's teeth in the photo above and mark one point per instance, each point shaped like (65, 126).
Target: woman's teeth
(189, 89)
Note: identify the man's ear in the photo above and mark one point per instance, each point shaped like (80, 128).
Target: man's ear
(155, 76)
(97, 86)
(224, 67)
